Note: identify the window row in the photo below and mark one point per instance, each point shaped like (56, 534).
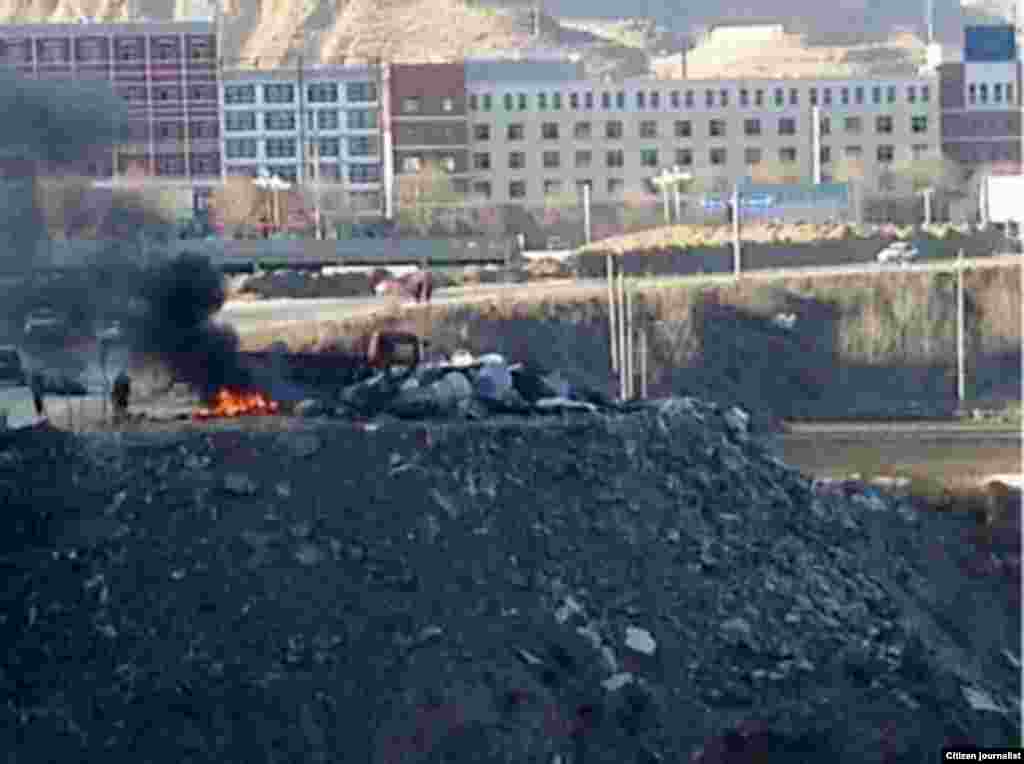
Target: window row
(286, 119)
(717, 128)
(356, 173)
(140, 93)
(57, 50)
(708, 98)
(317, 92)
(978, 93)
(280, 148)
(653, 158)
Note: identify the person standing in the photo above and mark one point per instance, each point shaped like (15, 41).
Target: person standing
(120, 395)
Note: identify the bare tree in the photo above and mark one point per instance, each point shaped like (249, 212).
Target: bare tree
(422, 195)
(238, 204)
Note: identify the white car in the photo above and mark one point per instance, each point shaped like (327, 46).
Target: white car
(898, 252)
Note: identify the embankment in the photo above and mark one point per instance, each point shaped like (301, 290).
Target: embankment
(877, 344)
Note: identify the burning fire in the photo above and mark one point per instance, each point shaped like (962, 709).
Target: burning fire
(231, 403)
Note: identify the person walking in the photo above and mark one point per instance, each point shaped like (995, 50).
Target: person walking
(120, 395)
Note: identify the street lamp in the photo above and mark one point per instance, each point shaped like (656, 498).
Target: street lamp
(671, 178)
(274, 185)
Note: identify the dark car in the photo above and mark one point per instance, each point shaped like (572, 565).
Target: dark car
(11, 370)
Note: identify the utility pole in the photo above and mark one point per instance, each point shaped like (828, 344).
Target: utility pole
(928, 205)
(736, 230)
(302, 113)
(643, 362)
(816, 145)
(622, 337)
(961, 377)
(612, 332)
(630, 356)
(219, 11)
(664, 200)
(586, 212)
(678, 204)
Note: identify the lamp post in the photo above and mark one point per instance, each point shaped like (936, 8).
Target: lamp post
(927, 193)
(274, 185)
(671, 178)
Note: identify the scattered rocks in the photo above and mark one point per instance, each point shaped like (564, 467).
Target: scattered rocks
(640, 640)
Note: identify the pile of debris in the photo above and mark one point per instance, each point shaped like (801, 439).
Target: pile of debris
(651, 587)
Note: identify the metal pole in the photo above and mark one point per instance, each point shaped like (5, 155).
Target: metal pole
(643, 362)
(630, 337)
(302, 114)
(678, 205)
(961, 379)
(816, 144)
(622, 337)
(664, 197)
(586, 213)
(736, 230)
(927, 206)
(612, 334)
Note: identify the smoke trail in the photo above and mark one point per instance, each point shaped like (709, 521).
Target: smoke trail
(181, 297)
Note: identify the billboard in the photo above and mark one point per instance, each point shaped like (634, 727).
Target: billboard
(990, 43)
(1005, 198)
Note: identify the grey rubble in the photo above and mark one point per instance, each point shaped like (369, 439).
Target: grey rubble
(427, 592)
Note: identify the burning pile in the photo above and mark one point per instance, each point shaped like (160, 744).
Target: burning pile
(229, 402)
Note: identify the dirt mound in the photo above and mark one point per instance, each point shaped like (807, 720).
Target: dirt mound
(625, 589)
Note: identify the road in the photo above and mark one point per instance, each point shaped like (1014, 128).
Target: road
(267, 314)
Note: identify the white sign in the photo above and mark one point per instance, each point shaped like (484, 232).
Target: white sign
(1005, 200)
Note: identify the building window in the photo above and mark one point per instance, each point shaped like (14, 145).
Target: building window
(752, 127)
(919, 151)
(780, 97)
(165, 50)
(648, 157)
(581, 131)
(552, 187)
(167, 93)
(744, 97)
(204, 130)
(328, 147)
(919, 124)
(826, 96)
(241, 148)
(361, 119)
(173, 165)
(363, 173)
(361, 92)
(523, 106)
(238, 121)
(684, 157)
(825, 154)
(280, 148)
(169, 131)
(516, 131)
(787, 155)
(447, 104)
(844, 96)
(613, 130)
(641, 99)
(886, 154)
(327, 119)
(510, 102)
(972, 93)
(853, 125)
(482, 189)
(689, 99)
(683, 128)
(240, 94)
(787, 126)
(481, 132)
(716, 128)
(411, 164)
(412, 105)
(890, 94)
(322, 92)
(363, 146)
(549, 131)
(588, 100)
(1009, 93)
(752, 156)
(556, 101)
(517, 189)
(542, 101)
(876, 94)
(673, 99)
(615, 186)
(858, 94)
(825, 126)
(551, 160)
(883, 125)
(983, 92)
(615, 158)
(620, 100)
(759, 98)
(794, 97)
(606, 100)
(911, 94)
(279, 120)
(482, 161)
(278, 93)
(997, 92)
(717, 156)
(648, 129)
(516, 160)
(655, 99)
(133, 93)
(584, 159)
(474, 102)
(486, 102)
(202, 92)
(814, 96)
(853, 152)
(709, 99)
(126, 49)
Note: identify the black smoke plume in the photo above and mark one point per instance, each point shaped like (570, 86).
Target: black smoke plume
(181, 297)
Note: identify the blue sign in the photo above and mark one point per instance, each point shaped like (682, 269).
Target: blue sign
(990, 43)
(710, 203)
(757, 200)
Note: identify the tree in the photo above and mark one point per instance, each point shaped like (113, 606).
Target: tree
(238, 204)
(940, 173)
(422, 195)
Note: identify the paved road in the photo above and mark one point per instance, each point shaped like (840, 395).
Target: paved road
(264, 314)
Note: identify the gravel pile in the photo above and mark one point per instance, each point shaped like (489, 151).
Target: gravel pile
(642, 587)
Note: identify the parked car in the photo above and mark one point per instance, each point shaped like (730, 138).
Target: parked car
(900, 252)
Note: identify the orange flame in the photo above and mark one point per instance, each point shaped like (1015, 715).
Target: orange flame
(231, 403)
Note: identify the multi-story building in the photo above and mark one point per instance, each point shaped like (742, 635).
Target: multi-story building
(534, 139)
(166, 71)
(332, 111)
(981, 101)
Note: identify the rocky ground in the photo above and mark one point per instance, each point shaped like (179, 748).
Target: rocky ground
(641, 587)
